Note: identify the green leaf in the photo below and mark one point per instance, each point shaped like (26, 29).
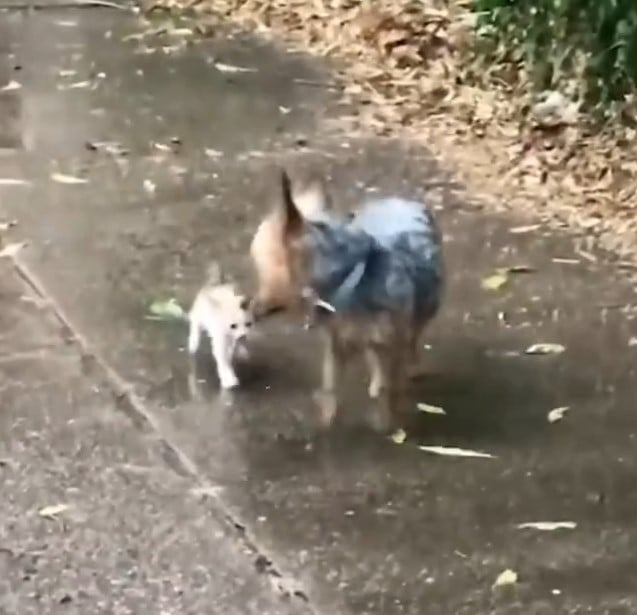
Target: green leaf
(167, 310)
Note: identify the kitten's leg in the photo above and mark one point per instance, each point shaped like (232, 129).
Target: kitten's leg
(194, 336)
(221, 351)
(327, 395)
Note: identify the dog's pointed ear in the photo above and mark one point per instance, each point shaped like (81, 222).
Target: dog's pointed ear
(292, 217)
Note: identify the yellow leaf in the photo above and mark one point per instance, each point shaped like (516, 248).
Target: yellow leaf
(495, 281)
(53, 511)
(399, 436)
(430, 409)
(506, 577)
(557, 414)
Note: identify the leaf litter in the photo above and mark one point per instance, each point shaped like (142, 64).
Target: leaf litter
(410, 69)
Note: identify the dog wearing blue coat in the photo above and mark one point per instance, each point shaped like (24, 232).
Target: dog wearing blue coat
(376, 280)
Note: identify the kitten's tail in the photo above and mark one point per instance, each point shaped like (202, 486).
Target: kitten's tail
(214, 274)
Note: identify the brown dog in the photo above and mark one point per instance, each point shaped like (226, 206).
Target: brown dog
(380, 273)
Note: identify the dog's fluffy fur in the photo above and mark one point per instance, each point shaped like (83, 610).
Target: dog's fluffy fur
(381, 270)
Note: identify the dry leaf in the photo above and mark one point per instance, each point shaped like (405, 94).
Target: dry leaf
(61, 178)
(149, 186)
(53, 511)
(544, 348)
(229, 68)
(451, 451)
(12, 249)
(14, 181)
(213, 153)
(430, 409)
(12, 85)
(557, 414)
(399, 436)
(495, 281)
(518, 230)
(548, 526)
(506, 577)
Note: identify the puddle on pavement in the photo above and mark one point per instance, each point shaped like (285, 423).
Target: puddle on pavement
(383, 523)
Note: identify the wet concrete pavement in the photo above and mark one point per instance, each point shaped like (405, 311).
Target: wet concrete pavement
(361, 524)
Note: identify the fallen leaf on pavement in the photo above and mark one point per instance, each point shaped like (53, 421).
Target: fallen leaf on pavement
(12, 85)
(506, 577)
(422, 407)
(213, 153)
(229, 68)
(61, 178)
(53, 511)
(518, 230)
(495, 281)
(544, 348)
(557, 414)
(5, 226)
(12, 249)
(399, 436)
(167, 310)
(14, 181)
(452, 451)
(548, 526)
(149, 186)
(521, 269)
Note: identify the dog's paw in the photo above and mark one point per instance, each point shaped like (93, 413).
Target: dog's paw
(327, 406)
(229, 381)
(375, 388)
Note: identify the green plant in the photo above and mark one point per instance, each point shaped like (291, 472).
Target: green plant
(586, 47)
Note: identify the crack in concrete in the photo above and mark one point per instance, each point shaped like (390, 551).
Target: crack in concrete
(143, 417)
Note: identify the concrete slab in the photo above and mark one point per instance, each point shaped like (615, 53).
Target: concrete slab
(367, 526)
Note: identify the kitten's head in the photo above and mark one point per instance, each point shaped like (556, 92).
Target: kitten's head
(235, 311)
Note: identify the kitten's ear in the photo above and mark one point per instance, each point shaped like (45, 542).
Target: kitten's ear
(292, 217)
(245, 303)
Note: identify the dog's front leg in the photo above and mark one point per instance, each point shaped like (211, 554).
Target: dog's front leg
(327, 398)
(377, 380)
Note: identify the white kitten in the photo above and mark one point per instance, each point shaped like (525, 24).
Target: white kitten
(226, 317)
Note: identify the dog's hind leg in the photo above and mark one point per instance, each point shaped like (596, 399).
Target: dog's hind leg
(327, 396)
(416, 368)
(377, 380)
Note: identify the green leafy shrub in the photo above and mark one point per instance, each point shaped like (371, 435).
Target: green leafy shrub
(588, 48)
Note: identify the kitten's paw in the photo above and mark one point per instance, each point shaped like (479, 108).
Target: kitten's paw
(229, 381)
(327, 405)
(375, 388)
